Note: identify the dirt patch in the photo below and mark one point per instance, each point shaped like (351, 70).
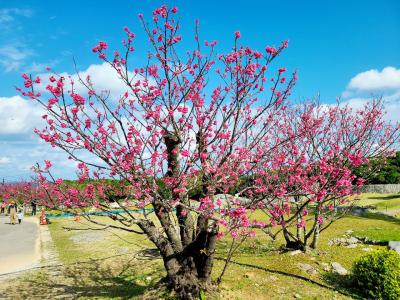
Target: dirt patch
(89, 237)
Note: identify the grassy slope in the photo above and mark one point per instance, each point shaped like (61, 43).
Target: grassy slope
(381, 201)
(267, 285)
(111, 269)
(242, 281)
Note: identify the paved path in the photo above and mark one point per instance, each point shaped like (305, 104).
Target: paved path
(19, 245)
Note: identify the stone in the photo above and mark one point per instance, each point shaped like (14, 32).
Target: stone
(394, 245)
(63, 296)
(272, 278)
(366, 249)
(352, 240)
(349, 232)
(297, 296)
(249, 275)
(124, 250)
(343, 241)
(339, 269)
(351, 246)
(295, 252)
(307, 268)
(326, 267)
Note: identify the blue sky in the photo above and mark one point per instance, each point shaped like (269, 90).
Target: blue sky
(338, 48)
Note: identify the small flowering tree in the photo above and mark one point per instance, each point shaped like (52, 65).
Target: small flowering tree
(172, 131)
(313, 176)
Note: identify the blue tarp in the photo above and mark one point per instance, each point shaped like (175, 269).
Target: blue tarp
(111, 212)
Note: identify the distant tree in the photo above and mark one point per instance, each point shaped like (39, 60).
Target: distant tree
(386, 170)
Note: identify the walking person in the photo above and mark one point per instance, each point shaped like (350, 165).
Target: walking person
(34, 207)
(20, 216)
(12, 208)
(3, 207)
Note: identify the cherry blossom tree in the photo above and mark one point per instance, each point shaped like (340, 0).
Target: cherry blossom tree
(23, 192)
(187, 121)
(313, 177)
(189, 126)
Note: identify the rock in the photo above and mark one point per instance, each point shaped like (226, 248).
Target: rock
(349, 232)
(352, 240)
(351, 246)
(307, 268)
(343, 241)
(249, 275)
(326, 267)
(339, 269)
(124, 250)
(295, 252)
(297, 296)
(273, 278)
(63, 296)
(394, 245)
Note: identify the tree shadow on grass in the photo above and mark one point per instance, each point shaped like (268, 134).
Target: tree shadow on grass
(340, 288)
(343, 284)
(376, 216)
(121, 278)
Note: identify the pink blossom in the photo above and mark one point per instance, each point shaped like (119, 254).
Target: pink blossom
(234, 234)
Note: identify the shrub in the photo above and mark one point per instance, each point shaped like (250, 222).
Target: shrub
(377, 275)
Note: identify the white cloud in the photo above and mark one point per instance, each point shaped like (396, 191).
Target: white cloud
(372, 84)
(8, 14)
(375, 80)
(4, 160)
(22, 155)
(20, 148)
(13, 57)
(14, 53)
(18, 116)
(103, 77)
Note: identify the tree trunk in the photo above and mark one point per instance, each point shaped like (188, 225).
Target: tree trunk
(189, 271)
(298, 229)
(184, 280)
(317, 228)
(292, 242)
(188, 253)
(314, 242)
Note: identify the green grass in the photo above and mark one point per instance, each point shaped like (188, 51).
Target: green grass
(386, 203)
(97, 244)
(270, 285)
(380, 228)
(381, 201)
(105, 265)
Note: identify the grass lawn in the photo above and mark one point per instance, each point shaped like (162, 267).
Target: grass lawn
(386, 203)
(381, 201)
(119, 265)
